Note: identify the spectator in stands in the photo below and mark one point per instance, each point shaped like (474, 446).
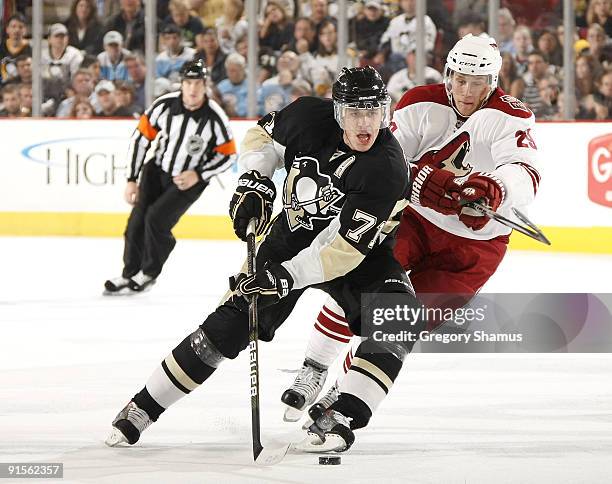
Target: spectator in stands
(85, 30)
(209, 11)
(548, 44)
(585, 76)
(23, 64)
(25, 99)
(366, 30)
(169, 61)
(91, 63)
(112, 63)
(60, 62)
(319, 11)
(137, 72)
(599, 104)
(598, 46)
(401, 35)
(82, 109)
(471, 23)
(528, 90)
(231, 26)
(242, 46)
(276, 31)
(478, 7)
(267, 64)
(288, 62)
(304, 36)
(189, 25)
(124, 98)
(105, 93)
(11, 105)
(299, 88)
(13, 46)
(321, 69)
(549, 93)
(83, 87)
(274, 96)
(523, 45)
(599, 12)
(234, 89)
(405, 79)
(129, 22)
(506, 24)
(209, 50)
(508, 78)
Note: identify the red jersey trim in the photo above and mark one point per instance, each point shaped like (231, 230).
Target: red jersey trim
(432, 93)
(507, 104)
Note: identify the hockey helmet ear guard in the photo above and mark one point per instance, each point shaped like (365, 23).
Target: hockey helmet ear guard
(360, 88)
(194, 70)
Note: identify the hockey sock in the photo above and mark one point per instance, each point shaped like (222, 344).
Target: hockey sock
(181, 372)
(330, 335)
(369, 379)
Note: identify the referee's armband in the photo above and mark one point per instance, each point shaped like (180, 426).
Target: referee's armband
(146, 128)
(226, 149)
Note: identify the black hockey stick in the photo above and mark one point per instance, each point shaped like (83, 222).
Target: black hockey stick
(529, 229)
(261, 455)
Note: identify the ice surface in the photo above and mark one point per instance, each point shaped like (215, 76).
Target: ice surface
(70, 359)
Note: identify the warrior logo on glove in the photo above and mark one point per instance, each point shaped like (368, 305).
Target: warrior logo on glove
(308, 194)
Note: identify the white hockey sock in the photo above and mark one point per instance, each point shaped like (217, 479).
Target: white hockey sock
(330, 334)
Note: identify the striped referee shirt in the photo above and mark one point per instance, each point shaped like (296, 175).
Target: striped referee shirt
(177, 139)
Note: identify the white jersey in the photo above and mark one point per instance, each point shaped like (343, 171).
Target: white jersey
(498, 139)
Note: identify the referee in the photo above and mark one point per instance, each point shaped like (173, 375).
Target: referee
(181, 141)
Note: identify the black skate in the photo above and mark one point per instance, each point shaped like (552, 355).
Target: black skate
(330, 432)
(119, 286)
(128, 425)
(306, 387)
(141, 282)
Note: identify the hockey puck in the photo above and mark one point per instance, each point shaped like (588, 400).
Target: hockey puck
(329, 461)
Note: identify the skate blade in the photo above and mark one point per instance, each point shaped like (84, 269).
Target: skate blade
(126, 291)
(307, 424)
(270, 456)
(115, 438)
(292, 414)
(313, 444)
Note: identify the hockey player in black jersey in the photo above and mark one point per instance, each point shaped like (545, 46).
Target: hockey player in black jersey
(346, 185)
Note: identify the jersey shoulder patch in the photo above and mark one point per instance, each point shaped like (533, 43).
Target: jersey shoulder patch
(508, 104)
(432, 93)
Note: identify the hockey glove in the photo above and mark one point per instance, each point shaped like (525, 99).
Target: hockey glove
(483, 188)
(435, 188)
(253, 198)
(270, 284)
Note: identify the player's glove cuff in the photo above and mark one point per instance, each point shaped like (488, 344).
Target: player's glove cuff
(253, 198)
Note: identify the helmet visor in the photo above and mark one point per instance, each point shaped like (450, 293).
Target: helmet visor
(376, 113)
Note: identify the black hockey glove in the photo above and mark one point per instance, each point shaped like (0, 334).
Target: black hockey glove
(270, 284)
(253, 198)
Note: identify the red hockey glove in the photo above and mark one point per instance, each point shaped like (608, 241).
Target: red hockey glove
(435, 188)
(480, 187)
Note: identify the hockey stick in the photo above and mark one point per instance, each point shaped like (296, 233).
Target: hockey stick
(261, 455)
(529, 229)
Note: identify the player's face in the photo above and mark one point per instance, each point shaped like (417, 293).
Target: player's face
(194, 92)
(468, 92)
(361, 127)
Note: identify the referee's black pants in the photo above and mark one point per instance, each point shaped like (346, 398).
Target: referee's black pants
(148, 235)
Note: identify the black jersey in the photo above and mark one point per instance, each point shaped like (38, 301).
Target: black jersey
(338, 204)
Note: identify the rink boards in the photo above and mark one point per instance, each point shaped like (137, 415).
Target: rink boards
(66, 177)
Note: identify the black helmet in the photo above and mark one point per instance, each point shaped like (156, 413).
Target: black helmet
(194, 70)
(360, 85)
(361, 88)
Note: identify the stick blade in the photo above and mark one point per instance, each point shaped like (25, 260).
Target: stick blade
(270, 456)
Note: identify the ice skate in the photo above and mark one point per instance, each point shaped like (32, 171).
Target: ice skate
(128, 425)
(119, 286)
(141, 282)
(330, 432)
(326, 401)
(305, 389)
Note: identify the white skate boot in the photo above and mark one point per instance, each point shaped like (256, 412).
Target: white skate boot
(119, 286)
(305, 389)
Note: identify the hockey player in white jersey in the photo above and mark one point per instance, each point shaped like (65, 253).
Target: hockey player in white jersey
(466, 140)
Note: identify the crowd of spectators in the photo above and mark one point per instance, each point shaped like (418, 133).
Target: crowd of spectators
(93, 65)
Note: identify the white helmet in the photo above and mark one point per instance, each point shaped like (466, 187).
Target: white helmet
(475, 56)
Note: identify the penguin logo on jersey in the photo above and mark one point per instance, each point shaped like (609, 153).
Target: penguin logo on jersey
(308, 194)
(194, 144)
(451, 156)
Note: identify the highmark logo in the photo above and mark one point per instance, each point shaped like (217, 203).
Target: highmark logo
(600, 170)
(92, 160)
